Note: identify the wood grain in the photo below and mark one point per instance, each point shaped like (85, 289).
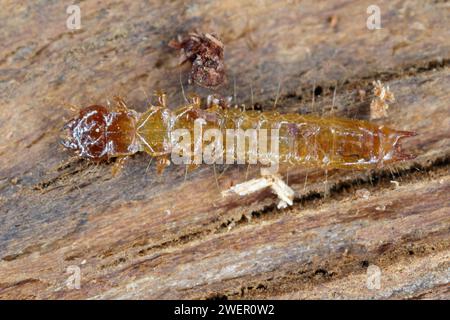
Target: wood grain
(140, 235)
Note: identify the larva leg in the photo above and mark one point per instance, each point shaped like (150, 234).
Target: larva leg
(185, 173)
(120, 104)
(161, 163)
(214, 101)
(162, 98)
(246, 172)
(215, 177)
(118, 165)
(327, 187)
(195, 100)
(191, 167)
(148, 165)
(287, 176)
(306, 181)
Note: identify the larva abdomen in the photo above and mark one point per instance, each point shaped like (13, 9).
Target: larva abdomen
(312, 141)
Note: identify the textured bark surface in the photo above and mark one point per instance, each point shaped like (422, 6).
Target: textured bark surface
(140, 235)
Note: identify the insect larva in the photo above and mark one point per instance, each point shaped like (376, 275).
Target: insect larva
(98, 134)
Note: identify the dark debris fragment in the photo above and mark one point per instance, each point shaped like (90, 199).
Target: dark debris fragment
(205, 52)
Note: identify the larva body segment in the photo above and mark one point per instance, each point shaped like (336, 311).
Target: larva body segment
(153, 131)
(304, 140)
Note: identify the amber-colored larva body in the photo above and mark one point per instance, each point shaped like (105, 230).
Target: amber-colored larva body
(98, 134)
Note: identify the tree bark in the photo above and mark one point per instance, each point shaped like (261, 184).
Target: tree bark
(140, 235)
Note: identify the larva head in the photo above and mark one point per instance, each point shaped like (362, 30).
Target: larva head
(87, 134)
(390, 145)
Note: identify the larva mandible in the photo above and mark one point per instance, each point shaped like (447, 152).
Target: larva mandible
(98, 133)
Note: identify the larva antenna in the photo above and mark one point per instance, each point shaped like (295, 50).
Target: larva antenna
(68, 141)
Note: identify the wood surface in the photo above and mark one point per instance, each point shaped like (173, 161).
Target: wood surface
(144, 236)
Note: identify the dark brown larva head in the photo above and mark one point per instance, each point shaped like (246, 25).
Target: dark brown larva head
(87, 133)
